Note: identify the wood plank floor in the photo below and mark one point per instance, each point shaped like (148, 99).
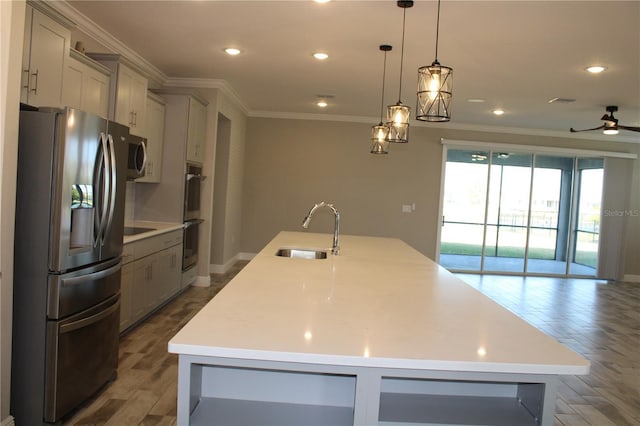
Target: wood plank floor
(599, 320)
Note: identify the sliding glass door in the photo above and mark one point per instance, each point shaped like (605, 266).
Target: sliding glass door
(520, 213)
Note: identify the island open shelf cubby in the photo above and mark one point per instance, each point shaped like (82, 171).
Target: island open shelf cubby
(249, 392)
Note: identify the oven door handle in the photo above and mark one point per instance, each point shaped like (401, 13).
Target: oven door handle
(191, 223)
(191, 176)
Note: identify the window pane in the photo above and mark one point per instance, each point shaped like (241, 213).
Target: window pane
(588, 218)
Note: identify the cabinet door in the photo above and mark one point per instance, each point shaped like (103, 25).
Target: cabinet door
(85, 88)
(196, 131)
(154, 123)
(171, 270)
(48, 49)
(138, 105)
(95, 92)
(142, 291)
(126, 283)
(72, 84)
(123, 112)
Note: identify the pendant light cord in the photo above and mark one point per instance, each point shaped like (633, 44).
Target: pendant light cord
(384, 73)
(437, 30)
(404, 17)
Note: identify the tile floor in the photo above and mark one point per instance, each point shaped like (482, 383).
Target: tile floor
(597, 319)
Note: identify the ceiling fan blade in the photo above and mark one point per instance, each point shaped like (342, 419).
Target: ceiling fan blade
(586, 130)
(633, 129)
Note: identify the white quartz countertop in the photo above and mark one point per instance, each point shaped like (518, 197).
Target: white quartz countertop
(379, 303)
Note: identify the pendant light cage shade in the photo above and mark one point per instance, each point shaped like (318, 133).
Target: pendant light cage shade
(435, 89)
(398, 114)
(380, 132)
(398, 123)
(379, 143)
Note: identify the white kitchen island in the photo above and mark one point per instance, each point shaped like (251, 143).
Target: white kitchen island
(378, 334)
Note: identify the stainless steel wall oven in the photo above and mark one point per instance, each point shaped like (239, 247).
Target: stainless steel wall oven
(193, 179)
(192, 187)
(190, 243)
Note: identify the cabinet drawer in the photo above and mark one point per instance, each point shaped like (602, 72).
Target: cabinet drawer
(148, 246)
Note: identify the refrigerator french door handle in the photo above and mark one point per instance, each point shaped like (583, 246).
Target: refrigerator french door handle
(112, 190)
(103, 164)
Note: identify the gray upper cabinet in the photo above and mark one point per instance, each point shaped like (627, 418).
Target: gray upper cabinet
(197, 124)
(127, 92)
(86, 85)
(46, 49)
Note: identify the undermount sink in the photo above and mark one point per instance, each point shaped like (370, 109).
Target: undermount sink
(135, 230)
(295, 253)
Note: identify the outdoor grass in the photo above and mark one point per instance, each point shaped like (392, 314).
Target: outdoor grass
(583, 258)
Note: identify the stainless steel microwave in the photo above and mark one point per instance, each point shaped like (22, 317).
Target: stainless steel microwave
(137, 159)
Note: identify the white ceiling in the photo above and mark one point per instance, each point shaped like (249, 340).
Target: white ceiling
(514, 54)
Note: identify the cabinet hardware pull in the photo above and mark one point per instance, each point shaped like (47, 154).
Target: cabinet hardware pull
(26, 85)
(35, 89)
(131, 118)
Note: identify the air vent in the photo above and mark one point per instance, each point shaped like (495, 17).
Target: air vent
(561, 100)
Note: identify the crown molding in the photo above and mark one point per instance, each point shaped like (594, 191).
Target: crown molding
(310, 116)
(450, 125)
(100, 35)
(210, 83)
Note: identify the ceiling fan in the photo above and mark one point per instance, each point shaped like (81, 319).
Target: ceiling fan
(610, 126)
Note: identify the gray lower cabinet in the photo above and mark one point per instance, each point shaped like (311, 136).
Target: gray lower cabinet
(151, 275)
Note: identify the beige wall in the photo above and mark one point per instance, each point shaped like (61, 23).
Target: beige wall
(292, 164)
(12, 23)
(230, 239)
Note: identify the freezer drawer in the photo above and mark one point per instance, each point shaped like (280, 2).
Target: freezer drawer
(82, 356)
(76, 291)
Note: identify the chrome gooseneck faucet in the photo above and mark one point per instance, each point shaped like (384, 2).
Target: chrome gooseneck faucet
(336, 230)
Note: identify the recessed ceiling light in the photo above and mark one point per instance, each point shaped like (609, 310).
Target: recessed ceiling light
(232, 51)
(322, 1)
(320, 56)
(596, 69)
(322, 104)
(498, 111)
(475, 100)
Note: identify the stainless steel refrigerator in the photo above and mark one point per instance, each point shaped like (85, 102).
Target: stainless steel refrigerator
(68, 242)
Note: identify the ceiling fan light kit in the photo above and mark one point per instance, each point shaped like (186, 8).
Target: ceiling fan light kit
(610, 126)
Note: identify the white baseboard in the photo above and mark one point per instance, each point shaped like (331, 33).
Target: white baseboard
(221, 269)
(631, 278)
(9, 421)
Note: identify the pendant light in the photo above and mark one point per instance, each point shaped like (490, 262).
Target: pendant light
(380, 132)
(435, 83)
(398, 114)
